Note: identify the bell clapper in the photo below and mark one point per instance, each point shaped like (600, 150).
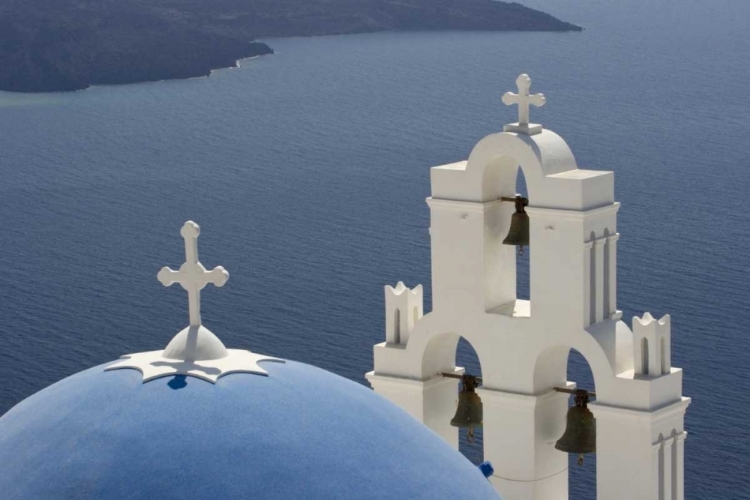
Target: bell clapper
(580, 459)
(470, 436)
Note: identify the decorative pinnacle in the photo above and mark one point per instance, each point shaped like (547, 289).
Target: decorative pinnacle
(524, 100)
(192, 276)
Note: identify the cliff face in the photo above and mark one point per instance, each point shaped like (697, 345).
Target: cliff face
(55, 45)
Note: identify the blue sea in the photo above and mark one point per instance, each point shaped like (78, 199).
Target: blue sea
(308, 172)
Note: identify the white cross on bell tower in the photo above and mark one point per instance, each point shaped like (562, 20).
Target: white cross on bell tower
(192, 276)
(524, 100)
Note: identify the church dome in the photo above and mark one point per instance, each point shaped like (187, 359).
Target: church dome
(199, 421)
(300, 432)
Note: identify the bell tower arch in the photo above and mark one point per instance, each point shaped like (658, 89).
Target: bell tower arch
(523, 345)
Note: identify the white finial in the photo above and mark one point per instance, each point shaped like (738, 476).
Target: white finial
(195, 351)
(523, 99)
(192, 276)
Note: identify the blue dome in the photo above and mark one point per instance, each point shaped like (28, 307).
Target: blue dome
(300, 433)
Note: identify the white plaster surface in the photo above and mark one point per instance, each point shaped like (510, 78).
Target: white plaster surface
(523, 346)
(403, 309)
(154, 365)
(195, 351)
(195, 343)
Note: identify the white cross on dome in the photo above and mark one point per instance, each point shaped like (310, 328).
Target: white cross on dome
(195, 351)
(192, 276)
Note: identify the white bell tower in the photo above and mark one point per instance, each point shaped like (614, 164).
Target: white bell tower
(523, 346)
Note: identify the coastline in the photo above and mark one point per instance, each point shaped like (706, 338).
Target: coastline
(45, 55)
(187, 69)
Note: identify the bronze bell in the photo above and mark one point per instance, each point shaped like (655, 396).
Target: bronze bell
(580, 433)
(469, 411)
(518, 235)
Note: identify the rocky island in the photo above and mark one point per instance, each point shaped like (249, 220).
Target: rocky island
(61, 45)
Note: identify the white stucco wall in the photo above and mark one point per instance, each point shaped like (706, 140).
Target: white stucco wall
(523, 346)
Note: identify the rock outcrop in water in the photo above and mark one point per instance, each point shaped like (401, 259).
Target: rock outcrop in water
(58, 45)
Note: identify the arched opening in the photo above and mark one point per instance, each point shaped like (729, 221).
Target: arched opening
(581, 479)
(663, 350)
(467, 357)
(675, 467)
(662, 472)
(500, 180)
(554, 367)
(607, 278)
(397, 326)
(668, 466)
(523, 288)
(592, 280)
(644, 357)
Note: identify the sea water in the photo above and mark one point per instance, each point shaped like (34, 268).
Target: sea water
(308, 172)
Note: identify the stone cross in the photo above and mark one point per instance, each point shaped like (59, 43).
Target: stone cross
(192, 276)
(524, 99)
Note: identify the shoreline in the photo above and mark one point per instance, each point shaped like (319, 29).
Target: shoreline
(173, 62)
(255, 49)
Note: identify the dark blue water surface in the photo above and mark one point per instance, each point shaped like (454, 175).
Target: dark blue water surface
(308, 170)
